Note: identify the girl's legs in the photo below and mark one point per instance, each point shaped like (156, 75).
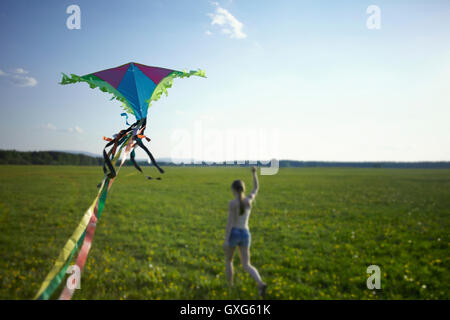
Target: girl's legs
(245, 259)
(229, 253)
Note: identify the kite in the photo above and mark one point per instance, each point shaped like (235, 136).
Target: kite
(136, 86)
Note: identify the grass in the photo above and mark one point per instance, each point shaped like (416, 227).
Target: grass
(314, 232)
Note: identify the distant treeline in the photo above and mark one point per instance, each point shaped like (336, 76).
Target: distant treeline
(67, 158)
(337, 164)
(47, 158)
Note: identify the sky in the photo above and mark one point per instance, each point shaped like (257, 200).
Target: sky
(302, 80)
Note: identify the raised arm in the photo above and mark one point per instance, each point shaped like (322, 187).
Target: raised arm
(252, 195)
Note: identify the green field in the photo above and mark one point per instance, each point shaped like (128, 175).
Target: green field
(314, 232)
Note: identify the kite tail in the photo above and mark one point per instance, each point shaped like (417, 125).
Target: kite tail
(132, 155)
(138, 135)
(82, 236)
(68, 291)
(108, 167)
(140, 144)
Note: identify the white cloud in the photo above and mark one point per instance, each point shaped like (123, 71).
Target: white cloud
(52, 127)
(23, 81)
(77, 129)
(207, 32)
(19, 78)
(20, 71)
(227, 23)
(179, 112)
(49, 126)
(226, 31)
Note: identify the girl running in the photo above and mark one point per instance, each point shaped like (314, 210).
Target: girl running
(237, 231)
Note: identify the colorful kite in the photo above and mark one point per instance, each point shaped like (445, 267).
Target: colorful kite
(136, 86)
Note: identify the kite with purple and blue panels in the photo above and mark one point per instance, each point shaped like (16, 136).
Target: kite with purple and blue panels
(134, 84)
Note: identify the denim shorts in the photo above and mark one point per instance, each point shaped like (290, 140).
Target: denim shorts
(239, 237)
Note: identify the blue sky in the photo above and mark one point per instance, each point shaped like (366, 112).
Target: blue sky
(300, 80)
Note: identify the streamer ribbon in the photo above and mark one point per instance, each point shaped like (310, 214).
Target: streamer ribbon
(81, 239)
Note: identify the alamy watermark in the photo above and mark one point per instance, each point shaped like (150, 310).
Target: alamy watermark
(74, 20)
(74, 280)
(373, 21)
(209, 146)
(374, 280)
